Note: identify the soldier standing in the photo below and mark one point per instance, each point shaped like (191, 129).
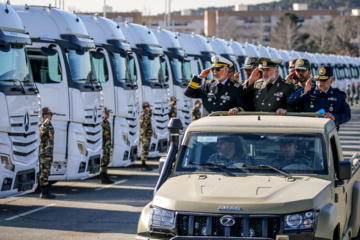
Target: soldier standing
(269, 93)
(46, 150)
(322, 97)
(195, 112)
(146, 132)
(106, 148)
(219, 94)
(173, 111)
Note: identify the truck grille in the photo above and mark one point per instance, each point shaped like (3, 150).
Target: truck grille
(245, 226)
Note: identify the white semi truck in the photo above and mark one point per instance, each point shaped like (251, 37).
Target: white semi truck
(177, 72)
(119, 89)
(20, 108)
(62, 67)
(146, 70)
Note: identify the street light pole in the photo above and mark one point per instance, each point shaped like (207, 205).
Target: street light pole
(104, 8)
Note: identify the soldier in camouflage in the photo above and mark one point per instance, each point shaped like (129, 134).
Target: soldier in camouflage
(173, 111)
(106, 148)
(195, 112)
(145, 134)
(46, 150)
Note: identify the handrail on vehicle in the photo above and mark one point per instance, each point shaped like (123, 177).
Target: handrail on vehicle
(296, 114)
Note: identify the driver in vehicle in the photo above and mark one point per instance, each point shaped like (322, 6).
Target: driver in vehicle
(230, 153)
(290, 156)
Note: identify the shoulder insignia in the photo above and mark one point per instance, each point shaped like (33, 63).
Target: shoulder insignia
(236, 85)
(208, 81)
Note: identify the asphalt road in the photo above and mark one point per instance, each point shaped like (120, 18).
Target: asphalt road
(90, 210)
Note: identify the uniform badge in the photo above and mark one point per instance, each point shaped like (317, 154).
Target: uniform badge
(278, 94)
(226, 93)
(300, 62)
(225, 98)
(214, 59)
(264, 63)
(257, 96)
(237, 85)
(312, 105)
(278, 99)
(209, 99)
(331, 109)
(208, 81)
(322, 71)
(332, 99)
(224, 101)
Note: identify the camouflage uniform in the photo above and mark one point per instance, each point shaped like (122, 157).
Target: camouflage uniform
(298, 159)
(195, 113)
(106, 145)
(145, 133)
(234, 162)
(172, 112)
(46, 150)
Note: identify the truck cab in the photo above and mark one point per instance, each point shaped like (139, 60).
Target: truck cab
(256, 176)
(20, 105)
(145, 65)
(177, 70)
(62, 67)
(120, 91)
(238, 50)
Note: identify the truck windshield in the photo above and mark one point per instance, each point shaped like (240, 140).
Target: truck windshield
(151, 68)
(80, 66)
(179, 70)
(14, 66)
(250, 152)
(100, 69)
(122, 69)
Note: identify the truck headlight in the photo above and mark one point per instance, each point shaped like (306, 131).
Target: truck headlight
(304, 220)
(6, 163)
(161, 218)
(82, 149)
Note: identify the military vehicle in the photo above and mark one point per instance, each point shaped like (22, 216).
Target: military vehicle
(255, 177)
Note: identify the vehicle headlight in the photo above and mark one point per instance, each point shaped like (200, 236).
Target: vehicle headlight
(82, 149)
(161, 218)
(126, 139)
(304, 220)
(6, 163)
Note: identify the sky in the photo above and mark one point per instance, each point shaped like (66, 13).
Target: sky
(147, 7)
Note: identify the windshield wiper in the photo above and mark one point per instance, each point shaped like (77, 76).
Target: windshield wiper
(14, 81)
(269, 167)
(36, 90)
(222, 168)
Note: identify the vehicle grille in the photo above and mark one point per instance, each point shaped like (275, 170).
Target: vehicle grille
(245, 226)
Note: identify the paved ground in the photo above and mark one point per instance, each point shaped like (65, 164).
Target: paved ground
(89, 210)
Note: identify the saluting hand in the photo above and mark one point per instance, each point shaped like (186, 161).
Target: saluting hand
(205, 73)
(308, 85)
(236, 76)
(255, 75)
(290, 77)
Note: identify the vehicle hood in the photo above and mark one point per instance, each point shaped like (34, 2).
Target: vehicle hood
(252, 194)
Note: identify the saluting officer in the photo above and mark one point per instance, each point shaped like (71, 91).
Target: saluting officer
(269, 93)
(219, 94)
(250, 64)
(106, 148)
(302, 72)
(173, 111)
(46, 151)
(322, 97)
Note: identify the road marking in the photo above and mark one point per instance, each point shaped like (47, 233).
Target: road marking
(108, 186)
(29, 212)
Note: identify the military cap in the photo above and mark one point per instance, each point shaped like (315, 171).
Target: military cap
(218, 61)
(269, 63)
(173, 98)
(197, 102)
(302, 64)
(47, 110)
(324, 73)
(145, 104)
(107, 110)
(250, 63)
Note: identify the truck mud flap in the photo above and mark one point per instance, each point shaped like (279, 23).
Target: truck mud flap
(25, 180)
(94, 164)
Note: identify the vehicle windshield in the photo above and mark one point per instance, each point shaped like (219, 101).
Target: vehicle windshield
(80, 66)
(14, 66)
(100, 69)
(180, 70)
(122, 68)
(151, 68)
(187, 70)
(252, 153)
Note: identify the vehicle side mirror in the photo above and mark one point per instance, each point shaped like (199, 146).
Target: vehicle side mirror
(4, 46)
(344, 170)
(97, 55)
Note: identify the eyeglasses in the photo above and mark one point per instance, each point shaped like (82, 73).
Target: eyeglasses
(218, 69)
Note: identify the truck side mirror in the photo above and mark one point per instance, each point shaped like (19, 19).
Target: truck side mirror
(4, 46)
(344, 170)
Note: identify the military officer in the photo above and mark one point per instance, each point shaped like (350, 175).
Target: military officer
(250, 64)
(173, 111)
(219, 94)
(195, 112)
(146, 132)
(292, 74)
(322, 96)
(46, 151)
(269, 93)
(302, 72)
(106, 148)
